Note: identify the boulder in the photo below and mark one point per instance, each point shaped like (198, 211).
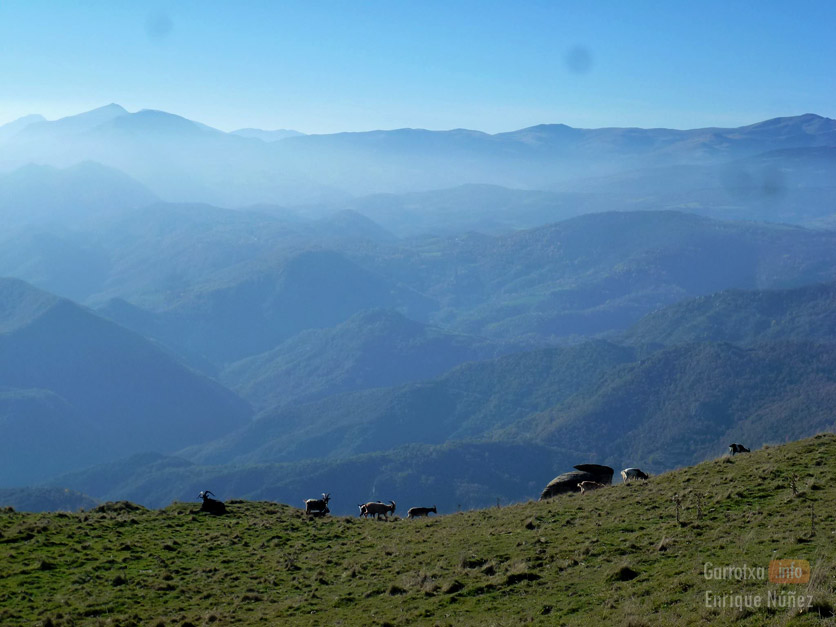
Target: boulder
(568, 481)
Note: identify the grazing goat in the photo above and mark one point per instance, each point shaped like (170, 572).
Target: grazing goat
(414, 512)
(738, 448)
(376, 509)
(318, 507)
(631, 474)
(211, 505)
(587, 486)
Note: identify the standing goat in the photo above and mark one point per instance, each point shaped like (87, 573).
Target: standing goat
(363, 511)
(631, 474)
(414, 512)
(586, 486)
(318, 507)
(376, 509)
(738, 448)
(211, 505)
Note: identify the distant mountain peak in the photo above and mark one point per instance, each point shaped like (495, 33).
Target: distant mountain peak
(81, 122)
(107, 111)
(795, 121)
(156, 121)
(112, 107)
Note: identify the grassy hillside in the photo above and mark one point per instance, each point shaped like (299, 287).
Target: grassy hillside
(615, 556)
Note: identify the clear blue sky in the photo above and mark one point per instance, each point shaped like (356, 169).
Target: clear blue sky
(326, 66)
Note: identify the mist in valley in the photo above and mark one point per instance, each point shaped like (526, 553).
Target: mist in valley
(448, 284)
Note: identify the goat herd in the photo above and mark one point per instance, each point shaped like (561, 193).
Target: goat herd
(586, 477)
(319, 507)
(374, 509)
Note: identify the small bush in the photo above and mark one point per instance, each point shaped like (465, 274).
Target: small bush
(453, 587)
(625, 573)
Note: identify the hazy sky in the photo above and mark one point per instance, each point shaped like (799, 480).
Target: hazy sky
(324, 66)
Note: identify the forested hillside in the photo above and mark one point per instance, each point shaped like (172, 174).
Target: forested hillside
(744, 317)
(289, 336)
(78, 389)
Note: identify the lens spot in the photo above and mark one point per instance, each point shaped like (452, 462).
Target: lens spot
(578, 60)
(158, 26)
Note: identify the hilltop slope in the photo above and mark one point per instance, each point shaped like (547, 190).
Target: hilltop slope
(626, 554)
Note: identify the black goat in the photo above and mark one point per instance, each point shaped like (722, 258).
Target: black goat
(415, 512)
(211, 505)
(318, 507)
(738, 448)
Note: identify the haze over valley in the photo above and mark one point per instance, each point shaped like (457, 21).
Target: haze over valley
(275, 314)
(463, 313)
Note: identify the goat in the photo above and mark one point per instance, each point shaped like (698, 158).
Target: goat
(587, 486)
(631, 474)
(211, 505)
(376, 509)
(318, 507)
(363, 511)
(414, 512)
(738, 448)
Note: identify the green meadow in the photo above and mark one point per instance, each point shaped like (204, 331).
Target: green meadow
(644, 553)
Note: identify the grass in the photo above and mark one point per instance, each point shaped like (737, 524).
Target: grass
(614, 556)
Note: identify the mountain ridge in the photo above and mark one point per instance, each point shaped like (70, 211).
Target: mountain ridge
(180, 159)
(105, 390)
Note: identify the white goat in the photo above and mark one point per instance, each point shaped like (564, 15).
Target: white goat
(376, 509)
(631, 474)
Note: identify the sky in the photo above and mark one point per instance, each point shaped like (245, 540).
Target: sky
(322, 66)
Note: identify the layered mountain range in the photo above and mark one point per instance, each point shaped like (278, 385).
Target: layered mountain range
(438, 314)
(183, 160)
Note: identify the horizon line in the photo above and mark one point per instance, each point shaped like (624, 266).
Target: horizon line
(410, 128)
